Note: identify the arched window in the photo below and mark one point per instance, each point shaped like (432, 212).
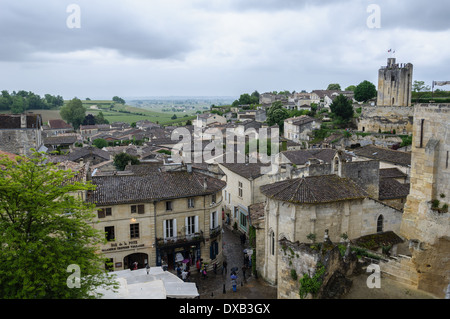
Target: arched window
(380, 224)
(336, 165)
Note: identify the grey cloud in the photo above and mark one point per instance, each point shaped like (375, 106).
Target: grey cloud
(26, 28)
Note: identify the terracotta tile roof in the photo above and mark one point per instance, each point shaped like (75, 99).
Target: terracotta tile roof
(78, 153)
(59, 124)
(390, 188)
(384, 155)
(300, 157)
(314, 189)
(156, 186)
(391, 173)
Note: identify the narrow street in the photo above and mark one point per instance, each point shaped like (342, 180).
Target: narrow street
(218, 286)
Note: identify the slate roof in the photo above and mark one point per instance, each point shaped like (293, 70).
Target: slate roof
(314, 190)
(390, 188)
(301, 120)
(156, 186)
(384, 155)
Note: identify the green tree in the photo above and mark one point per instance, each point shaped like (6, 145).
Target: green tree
(342, 107)
(174, 117)
(118, 100)
(18, 105)
(73, 113)
(43, 230)
(100, 143)
(277, 114)
(334, 87)
(351, 88)
(100, 119)
(365, 91)
(121, 160)
(419, 86)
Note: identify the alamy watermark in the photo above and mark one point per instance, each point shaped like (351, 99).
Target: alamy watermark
(374, 280)
(74, 280)
(73, 21)
(237, 146)
(374, 19)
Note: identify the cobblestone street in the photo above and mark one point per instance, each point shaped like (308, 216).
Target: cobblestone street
(213, 286)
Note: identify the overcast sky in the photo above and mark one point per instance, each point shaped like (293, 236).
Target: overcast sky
(139, 48)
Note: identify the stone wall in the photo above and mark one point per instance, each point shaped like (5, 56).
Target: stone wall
(20, 141)
(296, 259)
(386, 119)
(430, 177)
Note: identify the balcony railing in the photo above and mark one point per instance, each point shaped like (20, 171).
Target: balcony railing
(213, 233)
(179, 241)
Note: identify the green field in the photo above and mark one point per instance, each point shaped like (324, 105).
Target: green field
(122, 113)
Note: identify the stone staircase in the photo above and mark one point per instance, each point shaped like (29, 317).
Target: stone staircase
(400, 269)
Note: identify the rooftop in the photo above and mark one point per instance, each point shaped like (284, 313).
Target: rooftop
(314, 189)
(384, 155)
(154, 186)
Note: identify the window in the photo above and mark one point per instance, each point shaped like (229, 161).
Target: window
(380, 224)
(190, 202)
(170, 228)
(134, 231)
(240, 189)
(421, 133)
(168, 205)
(140, 209)
(243, 220)
(191, 225)
(213, 250)
(272, 244)
(214, 220)
(103, 212)
(213, 198)
(110, 236)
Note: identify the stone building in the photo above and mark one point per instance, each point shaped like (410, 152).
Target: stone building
(160, 218)
(300, 129)
(395, 84)
(393, 110)
(19, 133)
(344, 200)
(425, 225)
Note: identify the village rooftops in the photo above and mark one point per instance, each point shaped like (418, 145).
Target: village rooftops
(59, 124)
(301, 157)
(384, 155)
(247, 170)
(392, 189)
(314, 190)
(156, 186)
(300, 120)
(81, 152)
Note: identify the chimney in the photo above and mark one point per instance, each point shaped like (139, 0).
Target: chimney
(205, 185)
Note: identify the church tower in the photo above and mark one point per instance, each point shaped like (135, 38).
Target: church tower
(395, 84)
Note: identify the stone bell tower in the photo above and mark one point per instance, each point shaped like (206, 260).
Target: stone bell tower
(395, 84)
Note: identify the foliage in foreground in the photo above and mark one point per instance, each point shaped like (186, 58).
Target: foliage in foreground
(44, 228)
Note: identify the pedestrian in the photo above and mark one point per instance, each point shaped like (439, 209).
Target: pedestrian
(204, 274)
(135, 265)
(184, 275)
(179, 271)
(243, 272)
(198, 265)
(147, 267)
(233, 281)
(224, 267)
(245, 260)
(215, 268)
